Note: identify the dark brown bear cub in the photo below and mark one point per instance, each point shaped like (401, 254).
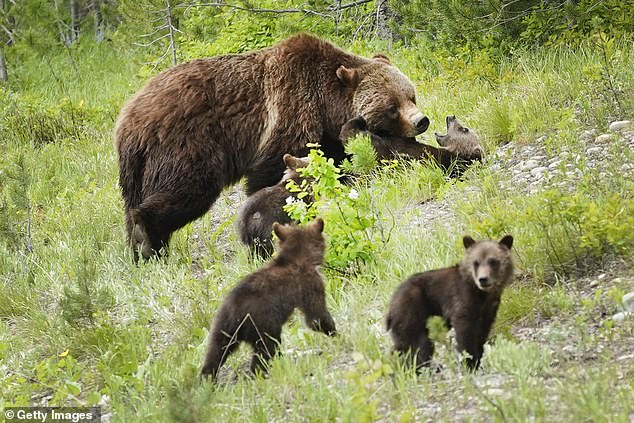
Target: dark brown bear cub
(258, 213)
(459, 148)
(466, 295)
(255, 310)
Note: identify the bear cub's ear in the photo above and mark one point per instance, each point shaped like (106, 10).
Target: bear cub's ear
(467, 241)
(280, 231)
(292, 162)
(317, 225)
(350, 77)
(507, 241)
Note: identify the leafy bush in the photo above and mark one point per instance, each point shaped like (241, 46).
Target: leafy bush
(349, 213)
(31, 123)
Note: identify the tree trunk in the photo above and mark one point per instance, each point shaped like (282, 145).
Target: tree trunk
(4, 76)
(74, 20)
(382, 16)
(99, 33)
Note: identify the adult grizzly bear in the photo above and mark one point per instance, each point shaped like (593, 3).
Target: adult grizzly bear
(201, 126)
(459, 148)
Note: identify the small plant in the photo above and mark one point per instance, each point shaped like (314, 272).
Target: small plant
(348, 212)
(363, 159)
(82, 302)
(15, 208)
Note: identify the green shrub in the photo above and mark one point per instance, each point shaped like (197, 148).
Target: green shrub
(349, 213)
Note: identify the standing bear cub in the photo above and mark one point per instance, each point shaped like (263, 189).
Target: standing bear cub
(201, 126)
(459, 147)
(255, 310)
(466, 295)
(258, 213)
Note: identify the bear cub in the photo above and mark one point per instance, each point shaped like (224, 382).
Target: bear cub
(255, 310)
(459, 147)
(466, 296)
(260, 210)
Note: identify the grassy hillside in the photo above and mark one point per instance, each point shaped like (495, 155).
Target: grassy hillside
(81, 325)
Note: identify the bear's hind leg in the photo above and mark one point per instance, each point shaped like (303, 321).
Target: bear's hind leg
(417, 347)
(160, 214)
(265, 348)
(220, 347)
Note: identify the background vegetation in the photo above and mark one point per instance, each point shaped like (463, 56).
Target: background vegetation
(81, 325)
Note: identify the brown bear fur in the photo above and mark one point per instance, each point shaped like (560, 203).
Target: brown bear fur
(466, 296)
(201, 126)
(257, 308)
(459, 148)
(260, 210)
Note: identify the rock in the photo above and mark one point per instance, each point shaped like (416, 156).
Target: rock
(626, 167)
(604, 138)
(588, 135)
(593, 150)
(619, 317)
(628, 302)
(594, 284)
(538, 171)
(620, 125)
(528, 165)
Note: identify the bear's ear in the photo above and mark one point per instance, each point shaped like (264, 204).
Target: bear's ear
(382, 58)
(467, 241)
(318, 225)
(507, 241)
(349, 77)
(291, 162)
(279, 231)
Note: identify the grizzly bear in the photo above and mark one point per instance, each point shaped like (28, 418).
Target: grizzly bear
(459, 148)
(201, 126)
(466, 296)
(260, 210)
(255, 310)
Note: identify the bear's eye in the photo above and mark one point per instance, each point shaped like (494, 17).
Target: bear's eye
(476, 264)
(465, 130)
(393, 110)
(494, 263)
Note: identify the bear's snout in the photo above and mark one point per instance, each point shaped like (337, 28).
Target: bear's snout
(422, 124)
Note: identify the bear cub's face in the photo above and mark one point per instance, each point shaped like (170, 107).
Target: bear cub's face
(292, 165)
(459, 139)
(488, 263)
(305, 244)
(385, 98)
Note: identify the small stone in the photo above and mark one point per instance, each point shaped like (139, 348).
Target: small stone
(619, 317)
(625, 357)
(620, 125)
(588, 135)
(594, 284)
(538, 171)
(593, 150)
(528, 165)
(604, 138)
(569, 349)
(626, 167)
(554, 164)
(628, 301)
(601, 276)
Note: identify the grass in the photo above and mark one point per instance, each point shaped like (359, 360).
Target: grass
(81, 325)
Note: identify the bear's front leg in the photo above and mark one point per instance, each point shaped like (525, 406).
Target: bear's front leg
(468, 339)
